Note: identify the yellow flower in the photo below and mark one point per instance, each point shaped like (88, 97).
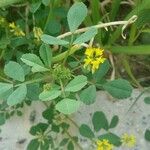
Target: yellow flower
(94, 57)
(104, 145)
(16, 30)
(128, 140)
(37, 33)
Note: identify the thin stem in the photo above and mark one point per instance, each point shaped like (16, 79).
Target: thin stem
(69, 49)
(4, 79)
(62, 88)
(102, 25)
(33, 81)
(137, 98)
(72, 121)
(68, 134)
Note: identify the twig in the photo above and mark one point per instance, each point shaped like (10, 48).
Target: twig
(102, 25)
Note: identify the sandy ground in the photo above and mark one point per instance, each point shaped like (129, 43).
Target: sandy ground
(15, 133)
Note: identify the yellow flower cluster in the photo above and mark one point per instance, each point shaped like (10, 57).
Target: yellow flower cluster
(104, 145)
(94, 57)
(37, 33)
(128, 140)
(16, 30)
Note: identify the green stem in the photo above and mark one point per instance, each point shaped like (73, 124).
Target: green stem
(63, 55)
(73, 122)
(33, 81)
(4, 79)
(62, 89)
(69, 49)
(137, 98)
(68, 134)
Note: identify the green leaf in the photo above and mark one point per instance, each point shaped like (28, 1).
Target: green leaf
(67, 106)
(39, 128)
(76, 15)
(70, 146)
(147, 135)
(112, 138)
(53, 40)
(143, 18)
(114, 122)
(33, 61)
(35, 6)
(147, 100)
(46, 2)
(88, 95)
(76, 84)
(45, 145)
(114, 9)
(99, 121)
(14, 71)
(17, 96)
(131, 50)
(95, 11)
(64, 142)
(53, 27)
(4, 88)
(86, 131)
(49, 95)
(118, 88)
(46, 54)
(33, 145)
(33, 91)
(48, 114)
(101, 72)
(2, 119)
(88, 35)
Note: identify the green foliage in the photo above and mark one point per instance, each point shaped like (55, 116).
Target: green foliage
(99, 121)
(147, 135)
(112, 138)
(49, 95)
(53, 40)
(101, 72)
(5, 88)
(46, 54)
(39, 128)
(2, 119)
(114, 122)
(70, 146)
(35, 6)
(76, 15)
(88, 95)
(147, 100)
(33, 61)
(68, 106)
(17, 96)
(64, 142)
(118, 88)
(48, 65)
(86, 36)
(33, 145)
(14, 71)
(86, 131)
(76, 84)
